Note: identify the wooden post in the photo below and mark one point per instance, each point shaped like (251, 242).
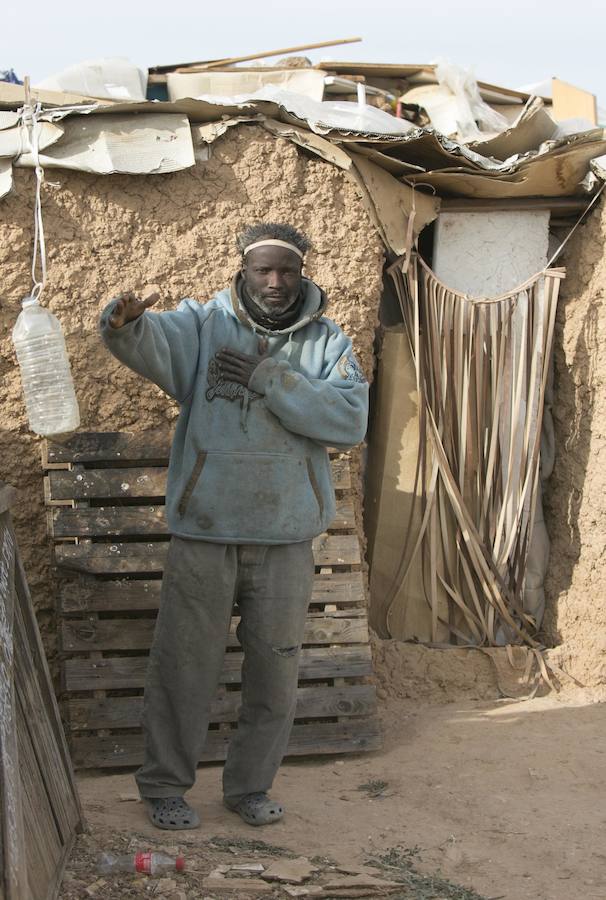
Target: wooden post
(40, 811)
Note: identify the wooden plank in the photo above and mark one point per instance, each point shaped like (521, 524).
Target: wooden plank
(42, 844)
(570, 205)
(89, 595)
(46, 696)
(85, 635)
(341, 474)
(138, 481)
(53, 778)
(39, 799)
(337, 550)
(124, 673)
(120, 447)
(149, 558)
(143, 521)
(352, 736)
(108, 446)
(312, 702)
(283, 51)
(93, 484)
(12, 874)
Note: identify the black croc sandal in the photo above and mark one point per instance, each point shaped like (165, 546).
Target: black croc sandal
(258, 809)
(171, 813)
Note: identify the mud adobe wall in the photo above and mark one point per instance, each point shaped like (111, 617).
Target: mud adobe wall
(113, 233)
(576, 495)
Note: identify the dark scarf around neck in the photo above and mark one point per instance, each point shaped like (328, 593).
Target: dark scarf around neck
(272, 322)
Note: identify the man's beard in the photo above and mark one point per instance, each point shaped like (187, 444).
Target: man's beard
(271, 307)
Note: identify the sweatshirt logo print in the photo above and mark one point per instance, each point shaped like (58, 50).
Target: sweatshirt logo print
(349, 369)
(218, 386)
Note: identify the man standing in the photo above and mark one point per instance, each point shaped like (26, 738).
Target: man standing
(265, 384)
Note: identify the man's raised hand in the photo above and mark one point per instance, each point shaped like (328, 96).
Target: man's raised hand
(128, 307)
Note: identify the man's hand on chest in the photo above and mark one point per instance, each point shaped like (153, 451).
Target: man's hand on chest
(237, 366)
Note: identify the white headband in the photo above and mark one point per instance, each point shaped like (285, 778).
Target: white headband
(270, 242)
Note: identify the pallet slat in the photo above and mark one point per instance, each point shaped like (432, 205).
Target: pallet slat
(86, 635)
(312, 702)
(140, 481)
(88, 595)
(128, 672)
(108, 446)
(139, 558)
(111, 446)
(137, 521)
(322, 737)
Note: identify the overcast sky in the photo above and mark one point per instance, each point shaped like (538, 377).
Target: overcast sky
(519, 43)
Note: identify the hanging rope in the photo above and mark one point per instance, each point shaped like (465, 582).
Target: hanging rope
(30, 117)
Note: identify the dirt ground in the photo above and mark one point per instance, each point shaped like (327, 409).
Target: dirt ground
(488, 799)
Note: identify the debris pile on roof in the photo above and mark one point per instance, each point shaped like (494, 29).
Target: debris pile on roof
(428, 126)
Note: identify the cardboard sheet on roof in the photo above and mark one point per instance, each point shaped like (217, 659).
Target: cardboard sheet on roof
(307, 140)
(430, 150)
(13, 95)
(557, 173)
(423, 73)
(208, 132)
(111, 78)
(131, 145)
(15, 141)
(570, 102)
(390, 203)
(533, 127)
(8, 119)
(396, 167)
(6, 177)
(309, 82)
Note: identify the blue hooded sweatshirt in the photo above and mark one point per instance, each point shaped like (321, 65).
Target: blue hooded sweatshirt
(249, 465)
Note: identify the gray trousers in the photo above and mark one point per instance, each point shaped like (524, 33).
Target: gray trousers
(272, 586)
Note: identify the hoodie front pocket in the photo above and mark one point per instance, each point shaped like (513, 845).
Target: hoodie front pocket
(251, 497)
(314, 485)
(192, 482)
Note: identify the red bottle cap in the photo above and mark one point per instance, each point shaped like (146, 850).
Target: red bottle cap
(180, 863)
(143, 862)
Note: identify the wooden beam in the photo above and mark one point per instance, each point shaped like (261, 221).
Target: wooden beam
(554, 204)
(205, 64)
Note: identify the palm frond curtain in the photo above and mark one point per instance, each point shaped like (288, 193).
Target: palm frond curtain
(481, 369)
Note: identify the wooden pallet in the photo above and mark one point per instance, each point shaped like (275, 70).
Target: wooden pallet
(105, 501)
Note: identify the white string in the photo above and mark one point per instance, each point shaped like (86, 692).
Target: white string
(575, 226)
(31, 121)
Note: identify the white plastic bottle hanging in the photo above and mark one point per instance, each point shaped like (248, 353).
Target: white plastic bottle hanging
(46, 376)
(52, 407)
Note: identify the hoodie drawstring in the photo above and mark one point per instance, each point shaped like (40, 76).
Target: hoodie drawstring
(244, 407)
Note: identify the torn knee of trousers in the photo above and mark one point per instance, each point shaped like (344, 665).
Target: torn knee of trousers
(286, 651)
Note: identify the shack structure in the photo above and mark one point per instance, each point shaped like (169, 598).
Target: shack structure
(182, 175)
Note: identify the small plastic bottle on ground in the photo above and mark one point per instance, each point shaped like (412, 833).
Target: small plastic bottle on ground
(52, 407)
(148, 863)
